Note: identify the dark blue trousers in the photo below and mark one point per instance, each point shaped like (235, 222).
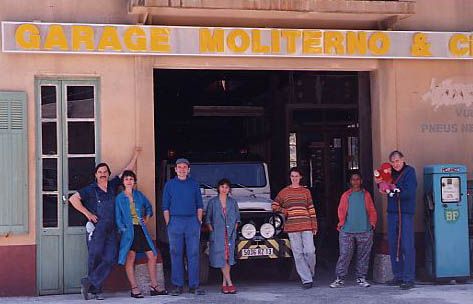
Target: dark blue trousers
(102, 254)
(184, 232)
(404, 269)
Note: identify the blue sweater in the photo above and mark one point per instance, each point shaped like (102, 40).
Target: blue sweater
(407, 183)
(182, 197)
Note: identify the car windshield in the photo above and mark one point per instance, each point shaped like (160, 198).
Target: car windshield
(246, 175)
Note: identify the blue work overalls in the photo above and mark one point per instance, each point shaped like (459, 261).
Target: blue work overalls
(102, 245)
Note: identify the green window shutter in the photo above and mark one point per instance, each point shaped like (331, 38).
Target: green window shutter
(13, 163)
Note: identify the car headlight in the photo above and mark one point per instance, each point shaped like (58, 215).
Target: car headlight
(267, 230)
(248, 231)
(276, 220)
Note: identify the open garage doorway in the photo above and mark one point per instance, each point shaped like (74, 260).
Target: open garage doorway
(319, 121)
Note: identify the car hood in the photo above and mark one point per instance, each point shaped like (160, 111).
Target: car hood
(248, 202)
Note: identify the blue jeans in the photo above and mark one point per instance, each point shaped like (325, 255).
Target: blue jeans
(404, 269)
(184, 230)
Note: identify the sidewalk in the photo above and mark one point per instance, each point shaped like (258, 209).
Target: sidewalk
(288, 292)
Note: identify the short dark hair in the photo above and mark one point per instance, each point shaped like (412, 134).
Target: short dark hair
(223, 181)
(353, 173)
(395, 153)
(296, 169)
(102, 165)
(128, 173)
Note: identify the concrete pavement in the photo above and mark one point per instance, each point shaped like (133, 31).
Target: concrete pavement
(288, 292)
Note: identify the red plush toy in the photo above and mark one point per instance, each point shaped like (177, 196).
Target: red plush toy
(385, 180)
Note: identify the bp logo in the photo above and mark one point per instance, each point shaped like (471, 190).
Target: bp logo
(451, 215)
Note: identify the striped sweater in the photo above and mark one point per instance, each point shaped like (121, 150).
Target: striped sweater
(296, 204)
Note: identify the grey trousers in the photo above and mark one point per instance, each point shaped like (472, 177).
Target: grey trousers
(363, 242)
(303, 250)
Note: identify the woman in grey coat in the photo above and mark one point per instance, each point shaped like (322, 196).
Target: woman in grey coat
(222, 217)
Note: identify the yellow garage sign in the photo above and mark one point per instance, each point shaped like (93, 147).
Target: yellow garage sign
(34, 37)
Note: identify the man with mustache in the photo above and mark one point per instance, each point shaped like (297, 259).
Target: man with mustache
(97, 203)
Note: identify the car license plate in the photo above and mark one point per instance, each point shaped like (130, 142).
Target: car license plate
(256, 252)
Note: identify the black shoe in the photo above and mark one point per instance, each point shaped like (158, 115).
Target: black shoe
(153, 291)
(176, 291)
(407, 285)
(307, 285)
(197, 291)
(84, 288)
(394, 282)
(137, 295)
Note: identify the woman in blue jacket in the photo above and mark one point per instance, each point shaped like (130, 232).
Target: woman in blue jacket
(132, 212)
(222, 217)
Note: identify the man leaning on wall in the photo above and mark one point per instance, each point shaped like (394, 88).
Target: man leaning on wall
(97, 203)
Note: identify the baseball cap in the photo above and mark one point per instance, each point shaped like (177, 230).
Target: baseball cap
(182, 161)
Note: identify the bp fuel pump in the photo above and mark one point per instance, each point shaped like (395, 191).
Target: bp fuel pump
(446, 219)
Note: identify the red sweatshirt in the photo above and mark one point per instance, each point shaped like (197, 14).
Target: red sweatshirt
(343, 208)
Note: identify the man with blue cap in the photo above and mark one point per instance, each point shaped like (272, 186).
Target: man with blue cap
(182, 209)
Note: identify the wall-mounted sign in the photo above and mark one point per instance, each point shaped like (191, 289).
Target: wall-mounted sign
(30, 37)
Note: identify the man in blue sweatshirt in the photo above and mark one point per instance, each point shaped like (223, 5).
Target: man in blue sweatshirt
(182, 209)
(401, 210)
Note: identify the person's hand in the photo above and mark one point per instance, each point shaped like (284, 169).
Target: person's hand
(91, 217)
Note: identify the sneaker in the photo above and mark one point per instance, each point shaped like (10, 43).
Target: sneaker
(197, 291)
(394, 282)
(407, 285)
(84, 288)
(176, 291)
(337, 283)
(362, 282)
(307, 285)
(99, 296)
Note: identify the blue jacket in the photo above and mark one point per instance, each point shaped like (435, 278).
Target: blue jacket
(182, 197)
(125, 222)
(214, 217)
(407, 183)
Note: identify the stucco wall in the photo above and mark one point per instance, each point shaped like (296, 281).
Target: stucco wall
(440, 15)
